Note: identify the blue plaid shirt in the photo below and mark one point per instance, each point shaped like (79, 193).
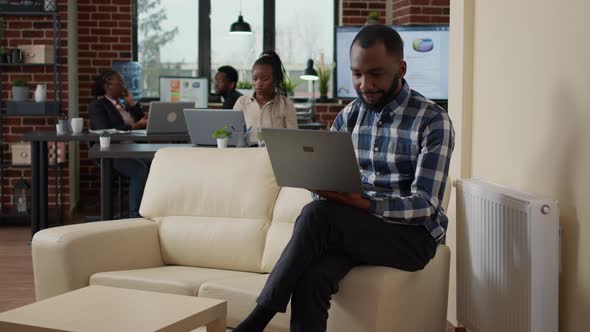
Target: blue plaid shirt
(403, 153)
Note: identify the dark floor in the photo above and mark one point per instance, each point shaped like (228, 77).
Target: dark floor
(16, 276)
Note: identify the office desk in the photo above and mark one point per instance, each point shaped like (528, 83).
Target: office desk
(39, 163)
(119, 151)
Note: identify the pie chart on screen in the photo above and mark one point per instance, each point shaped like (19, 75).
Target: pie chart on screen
(423, 45)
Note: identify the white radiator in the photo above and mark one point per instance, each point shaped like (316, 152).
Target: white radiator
(507, 259)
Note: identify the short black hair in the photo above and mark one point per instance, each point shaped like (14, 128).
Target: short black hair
(374, 33)
(230, 72)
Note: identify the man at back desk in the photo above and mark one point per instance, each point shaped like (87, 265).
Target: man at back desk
(226, 80)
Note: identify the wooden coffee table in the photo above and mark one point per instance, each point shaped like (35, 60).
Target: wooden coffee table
(100, 308)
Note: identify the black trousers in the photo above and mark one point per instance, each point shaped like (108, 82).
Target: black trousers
(328, 240)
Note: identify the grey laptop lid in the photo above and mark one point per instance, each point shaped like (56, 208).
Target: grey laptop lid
(313, 159)
(202, 123)
(167, 117)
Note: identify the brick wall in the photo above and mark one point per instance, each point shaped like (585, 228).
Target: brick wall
(104, 36)
(420, 12)
(403, 11)
(356, 12)
(29, 31)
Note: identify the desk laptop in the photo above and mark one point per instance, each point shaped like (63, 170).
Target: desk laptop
(201, 124)
(313, 159)
(167, 118)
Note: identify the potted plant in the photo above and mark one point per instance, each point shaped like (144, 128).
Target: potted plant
(372, 18)
(244, 87)
(222, 135)
(20, 90)
(105, 139)
(290, 86)
(324, 75)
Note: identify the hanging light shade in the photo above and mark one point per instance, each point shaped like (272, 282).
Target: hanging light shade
(309, 74)
(240, 27)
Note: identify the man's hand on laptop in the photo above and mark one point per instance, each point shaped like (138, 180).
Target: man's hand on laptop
(353, 199)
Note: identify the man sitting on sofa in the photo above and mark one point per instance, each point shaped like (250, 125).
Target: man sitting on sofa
(403, 144)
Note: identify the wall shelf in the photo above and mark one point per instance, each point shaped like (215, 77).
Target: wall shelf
(26, 13)
(46, 108)
(29, 64)
(2, 166)
(51, 165)
(51, 107)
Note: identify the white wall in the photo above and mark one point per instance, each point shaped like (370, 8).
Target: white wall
(460, 110)
(529, 99)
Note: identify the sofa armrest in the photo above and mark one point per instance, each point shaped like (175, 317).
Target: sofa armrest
(65, 257)
(379, 299)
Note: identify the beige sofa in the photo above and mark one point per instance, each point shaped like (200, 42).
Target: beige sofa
(215, 224)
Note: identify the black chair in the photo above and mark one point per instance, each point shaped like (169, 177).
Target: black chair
(120, 206)
(119, 211)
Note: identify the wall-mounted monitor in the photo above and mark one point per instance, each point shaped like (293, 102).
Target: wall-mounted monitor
(426, 51)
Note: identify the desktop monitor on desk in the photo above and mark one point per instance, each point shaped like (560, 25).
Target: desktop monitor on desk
(184, 89)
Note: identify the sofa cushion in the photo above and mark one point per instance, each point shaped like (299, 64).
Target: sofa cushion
(221, 243)
(286, 210)
(181, 280)
(206, 182)
(377, 298)
(211, 187)
(241, 294)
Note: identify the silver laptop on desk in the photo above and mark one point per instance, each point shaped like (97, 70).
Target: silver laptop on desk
(202, 123)
(313, 159)
(167, 118)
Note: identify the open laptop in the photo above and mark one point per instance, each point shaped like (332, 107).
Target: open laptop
(166, 118)
(313, 159)
(202, 123)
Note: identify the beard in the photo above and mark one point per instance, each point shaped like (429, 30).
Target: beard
(221, 93)
(387, 96)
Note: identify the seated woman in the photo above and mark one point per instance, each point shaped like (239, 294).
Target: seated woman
(269, 106)
(115, 108)
(108, 111)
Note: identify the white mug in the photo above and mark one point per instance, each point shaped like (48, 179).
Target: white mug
(77, 125)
